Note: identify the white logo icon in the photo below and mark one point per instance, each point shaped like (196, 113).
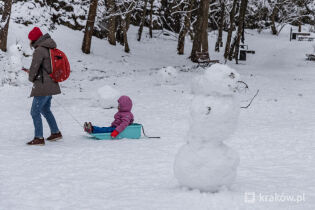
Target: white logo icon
(249, 197)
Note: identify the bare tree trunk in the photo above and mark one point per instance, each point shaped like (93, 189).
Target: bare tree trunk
(125, 22)
(119, 31)
(243, 33)
(275, 11)
(185, 28)
(240, 28)
(232, 47)
(200, 43)
(229, 36)
(197, 38)
(151, 19)
(124, 28)
(86, 45)
(111, 22)
(4, 25)
(219, 42)
(143, 20)
(204, 36)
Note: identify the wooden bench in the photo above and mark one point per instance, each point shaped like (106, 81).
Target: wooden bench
(203, 57)
(305, 38)
(296, 34)
(243, 52)
(310, 57)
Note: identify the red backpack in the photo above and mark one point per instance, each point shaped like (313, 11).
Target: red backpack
(59, 65)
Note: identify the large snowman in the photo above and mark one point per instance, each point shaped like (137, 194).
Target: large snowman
(205, 162)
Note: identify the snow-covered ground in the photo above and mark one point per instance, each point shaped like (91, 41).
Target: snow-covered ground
(275, 136)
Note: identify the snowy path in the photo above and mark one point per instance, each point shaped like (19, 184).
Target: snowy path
(275, 138)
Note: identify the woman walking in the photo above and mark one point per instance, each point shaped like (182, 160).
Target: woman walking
(43, 86)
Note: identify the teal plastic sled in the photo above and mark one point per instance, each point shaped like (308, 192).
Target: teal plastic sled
(133, 131)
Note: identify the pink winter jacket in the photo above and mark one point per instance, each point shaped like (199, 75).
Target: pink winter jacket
(123, 117)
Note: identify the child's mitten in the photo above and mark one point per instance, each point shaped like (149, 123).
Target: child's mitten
(114, 134)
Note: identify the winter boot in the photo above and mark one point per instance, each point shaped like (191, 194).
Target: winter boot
(37, 141)
(85, 126)
(88, 127)
(55, 137)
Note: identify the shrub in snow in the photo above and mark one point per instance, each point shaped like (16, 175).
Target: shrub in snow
(167, 75)
(11, 69)
(32, 13)
(107, 97)
(205, 162)
(47, 14)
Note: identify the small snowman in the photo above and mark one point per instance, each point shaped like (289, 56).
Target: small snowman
(205, 162)
(107, 97)
(12, 65)
(16, 57)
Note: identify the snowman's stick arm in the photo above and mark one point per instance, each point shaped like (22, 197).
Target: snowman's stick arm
(245, 107)
(246, 86)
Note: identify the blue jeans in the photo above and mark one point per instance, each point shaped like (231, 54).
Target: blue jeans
(41, 105)
(103, 129)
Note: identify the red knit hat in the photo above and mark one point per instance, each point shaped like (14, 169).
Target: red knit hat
(35, 34)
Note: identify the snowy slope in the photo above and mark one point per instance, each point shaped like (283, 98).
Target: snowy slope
(274, 137)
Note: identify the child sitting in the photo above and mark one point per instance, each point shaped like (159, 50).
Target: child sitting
(123, 118)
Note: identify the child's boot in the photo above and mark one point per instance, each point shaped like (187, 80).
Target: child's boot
(85, 126)
(88, 127)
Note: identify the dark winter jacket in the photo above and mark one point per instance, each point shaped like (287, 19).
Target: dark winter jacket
(123, 117)
(40, 68)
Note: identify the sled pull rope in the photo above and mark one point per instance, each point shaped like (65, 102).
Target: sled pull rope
(150, 137)
(69, 113)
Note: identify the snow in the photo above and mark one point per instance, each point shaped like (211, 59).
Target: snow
(274, 137)
(167, 75)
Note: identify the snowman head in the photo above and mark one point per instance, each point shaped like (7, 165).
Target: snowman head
(15, 50)
(218, 79)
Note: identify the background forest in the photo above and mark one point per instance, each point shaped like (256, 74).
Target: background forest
(110, 19)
